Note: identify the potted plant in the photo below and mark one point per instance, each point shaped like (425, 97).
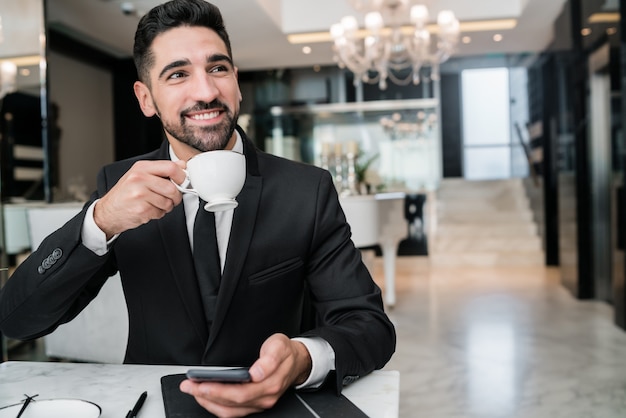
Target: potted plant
(363, 163)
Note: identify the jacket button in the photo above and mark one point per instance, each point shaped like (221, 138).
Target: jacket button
(57, 253)
(46, 264)
(41, 270)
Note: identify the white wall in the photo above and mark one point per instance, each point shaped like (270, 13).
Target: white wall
(84, 94)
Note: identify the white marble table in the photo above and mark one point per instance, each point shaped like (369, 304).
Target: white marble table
(116, 387)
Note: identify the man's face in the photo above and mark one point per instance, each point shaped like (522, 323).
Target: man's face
(193, 88)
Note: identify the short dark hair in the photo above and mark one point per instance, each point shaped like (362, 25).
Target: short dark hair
(169, 15)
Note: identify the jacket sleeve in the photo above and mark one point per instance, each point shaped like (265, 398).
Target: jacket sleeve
(54, 284)
(347, 303)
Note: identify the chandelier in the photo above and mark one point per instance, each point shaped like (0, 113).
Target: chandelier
(388, 50)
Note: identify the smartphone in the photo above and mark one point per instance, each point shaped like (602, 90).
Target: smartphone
(233, 375)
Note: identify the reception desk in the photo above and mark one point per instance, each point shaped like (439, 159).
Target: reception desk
(115, 388)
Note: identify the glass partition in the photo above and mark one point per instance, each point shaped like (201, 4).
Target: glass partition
(397, 143)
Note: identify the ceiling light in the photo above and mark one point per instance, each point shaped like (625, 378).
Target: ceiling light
(386, 51)
(585, 31)
(24, 60)
(486, 25)
(611, 31)
(466, 39)
(306, 50)
(309, 37)
(497, 37)
(474, 26)
(604, 17)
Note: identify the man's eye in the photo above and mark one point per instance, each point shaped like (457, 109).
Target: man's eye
(176, 75)
(219, 69)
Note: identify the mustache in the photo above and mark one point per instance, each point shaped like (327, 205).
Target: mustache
(200, 106)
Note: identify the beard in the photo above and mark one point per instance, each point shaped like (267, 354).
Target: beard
(205, 138)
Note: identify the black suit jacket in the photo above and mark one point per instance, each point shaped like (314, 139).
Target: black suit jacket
(289, 250)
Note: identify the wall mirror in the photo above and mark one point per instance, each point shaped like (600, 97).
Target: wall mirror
(23, 109)
(23, 117)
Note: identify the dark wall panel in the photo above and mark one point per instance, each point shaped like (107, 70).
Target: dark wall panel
(134, 133)
(451, 137)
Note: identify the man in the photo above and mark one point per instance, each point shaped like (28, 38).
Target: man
(286, 245)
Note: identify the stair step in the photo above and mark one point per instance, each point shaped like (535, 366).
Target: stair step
(486, 231)
(469, 188)
(474, 216)
(450, 182)
(488, 259)
(453, 245)
(485, 206)
(485, 223)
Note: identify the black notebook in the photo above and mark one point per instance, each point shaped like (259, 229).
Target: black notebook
(323, 403)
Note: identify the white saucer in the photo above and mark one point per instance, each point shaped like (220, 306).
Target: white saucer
(53, 408)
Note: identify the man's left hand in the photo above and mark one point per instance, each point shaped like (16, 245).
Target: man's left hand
(282, 363)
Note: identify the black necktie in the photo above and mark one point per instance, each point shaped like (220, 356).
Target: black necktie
(206, 259)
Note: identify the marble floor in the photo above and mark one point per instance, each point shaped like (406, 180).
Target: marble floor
(497, 342)
(502, 342)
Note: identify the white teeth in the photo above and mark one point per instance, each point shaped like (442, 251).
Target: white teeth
(205, 116)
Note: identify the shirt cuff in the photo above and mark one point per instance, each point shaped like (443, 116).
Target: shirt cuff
(92, 236)
(322, 361)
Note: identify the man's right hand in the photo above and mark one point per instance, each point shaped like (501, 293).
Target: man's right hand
(144, 193)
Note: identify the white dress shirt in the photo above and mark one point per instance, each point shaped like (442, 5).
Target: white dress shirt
(322, 354)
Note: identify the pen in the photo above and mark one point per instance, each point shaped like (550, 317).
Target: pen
(26, 402)
(133, 412)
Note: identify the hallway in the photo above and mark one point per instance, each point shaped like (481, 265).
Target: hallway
(502, 342)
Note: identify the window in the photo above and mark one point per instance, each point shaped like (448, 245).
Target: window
(490, 151)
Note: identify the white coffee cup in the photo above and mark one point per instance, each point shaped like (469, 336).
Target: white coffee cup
(217, 177)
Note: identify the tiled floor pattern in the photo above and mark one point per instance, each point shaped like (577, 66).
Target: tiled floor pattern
(503, 342)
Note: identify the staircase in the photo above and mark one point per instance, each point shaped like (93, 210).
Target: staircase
(484, 223)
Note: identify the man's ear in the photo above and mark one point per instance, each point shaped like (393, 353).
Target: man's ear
(142, 92)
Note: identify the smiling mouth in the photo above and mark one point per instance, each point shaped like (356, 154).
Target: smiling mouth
(204, 116)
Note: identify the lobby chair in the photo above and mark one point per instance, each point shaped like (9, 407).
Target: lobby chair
(100, 332)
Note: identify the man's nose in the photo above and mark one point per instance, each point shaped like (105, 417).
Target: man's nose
(204, 88)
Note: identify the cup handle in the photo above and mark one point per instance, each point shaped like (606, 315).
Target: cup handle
(184, 186)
